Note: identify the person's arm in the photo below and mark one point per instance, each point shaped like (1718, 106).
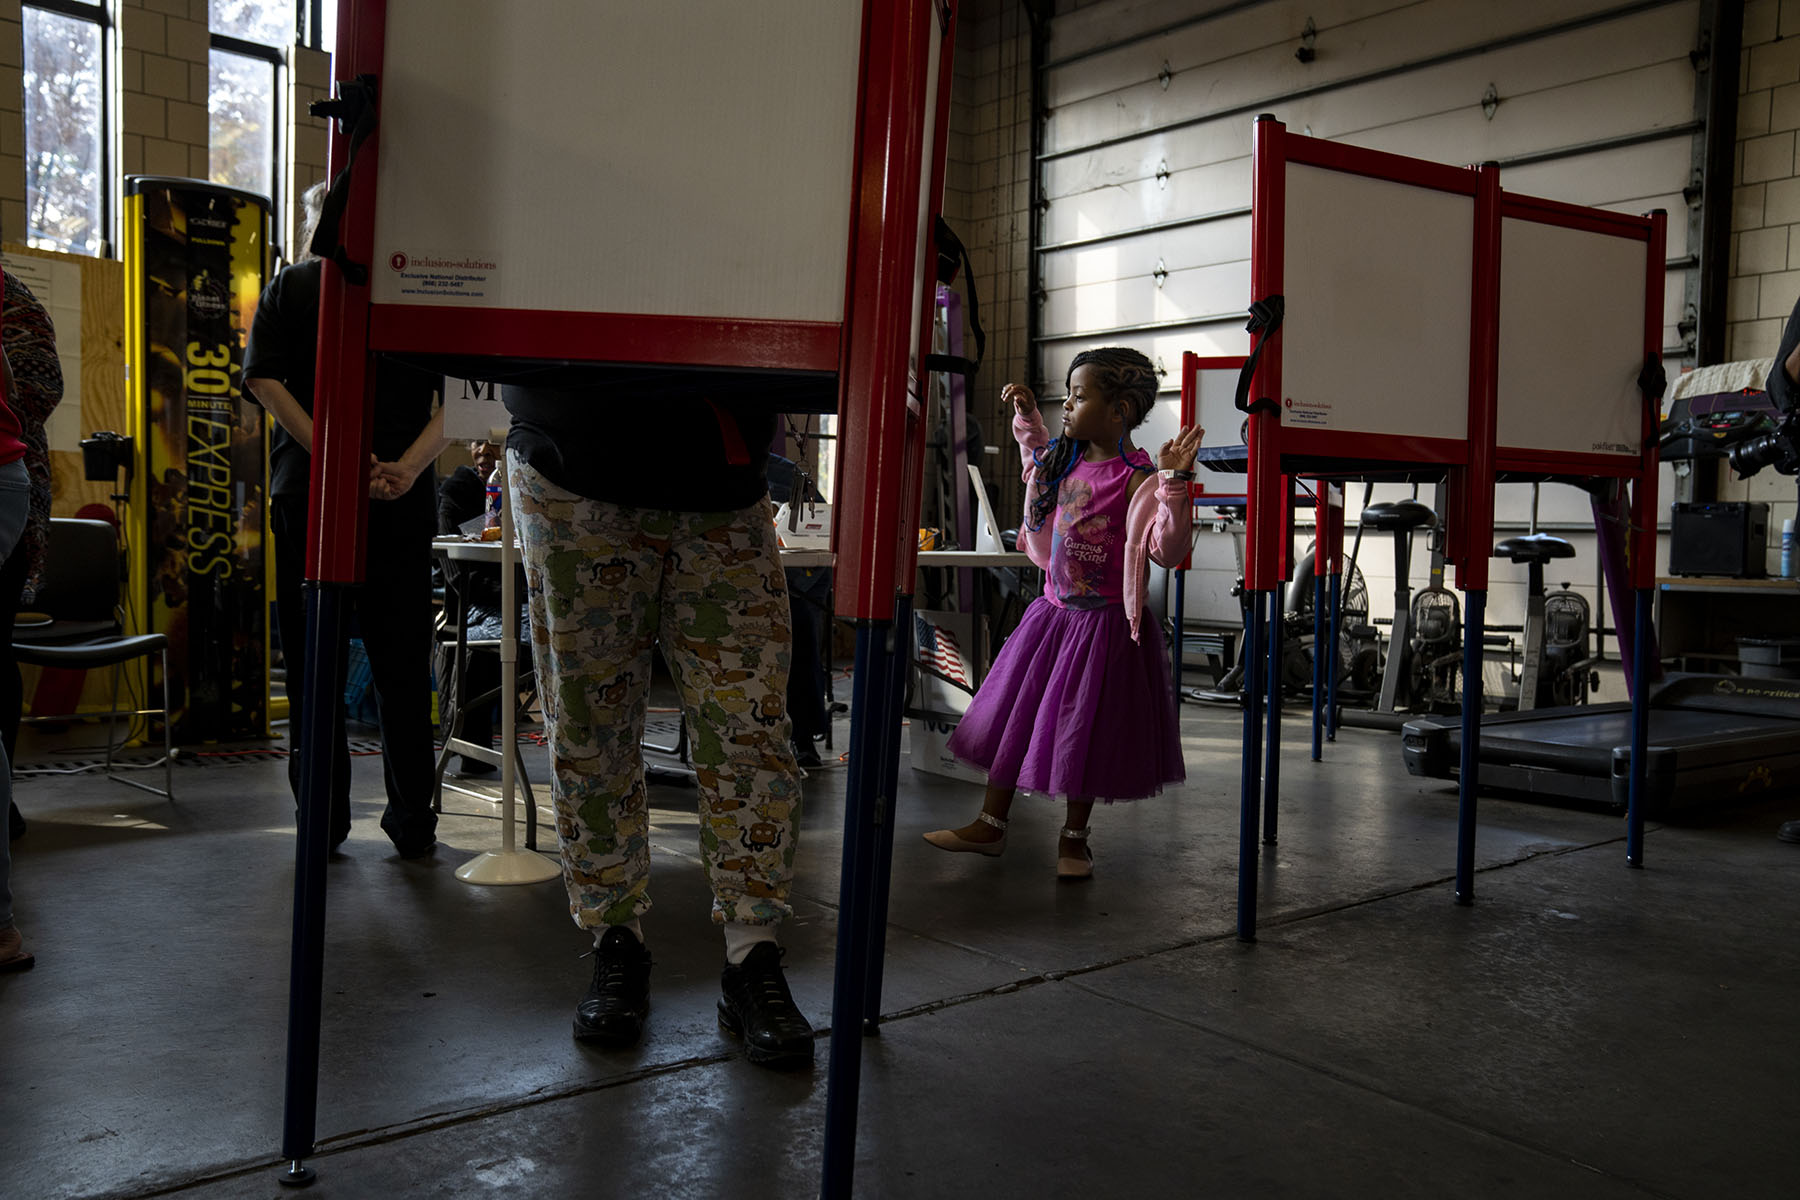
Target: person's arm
(1028, 426)
(390, 481)
(1783, 384)
(273, 395)
(1172, 532)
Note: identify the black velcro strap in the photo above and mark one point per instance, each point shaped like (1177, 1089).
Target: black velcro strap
(1653, 381)
(1265, 315)
(355, 109)
(952, 256)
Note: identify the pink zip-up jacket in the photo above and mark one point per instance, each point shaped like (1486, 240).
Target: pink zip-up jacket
(1159, 524)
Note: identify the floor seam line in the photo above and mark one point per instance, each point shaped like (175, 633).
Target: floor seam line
(430, 1123)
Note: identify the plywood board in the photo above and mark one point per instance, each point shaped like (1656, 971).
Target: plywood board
(99, 383)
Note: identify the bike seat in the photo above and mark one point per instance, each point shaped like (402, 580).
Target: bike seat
(1534, 548)
(1399, 514)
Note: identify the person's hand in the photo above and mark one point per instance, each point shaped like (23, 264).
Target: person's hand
(378, 486)
(390, 480)
(1177, 454)
(1020, 397)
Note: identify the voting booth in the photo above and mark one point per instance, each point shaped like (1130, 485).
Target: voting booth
(546, 189)
(1413, 318)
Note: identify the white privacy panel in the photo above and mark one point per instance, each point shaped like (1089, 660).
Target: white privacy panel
(1377, 278)
(1214, 411)
(609, 181)
(1571, 339)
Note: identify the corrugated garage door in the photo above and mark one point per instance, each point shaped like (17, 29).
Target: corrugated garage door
(1145, 169)
(1145, 172)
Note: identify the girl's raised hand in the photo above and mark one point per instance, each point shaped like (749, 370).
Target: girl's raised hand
(1020, 397)
(1177, 454)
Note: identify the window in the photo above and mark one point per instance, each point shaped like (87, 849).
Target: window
(318, 24)
(241, 105)
(246, 64)
(67, 168)
(266, 22)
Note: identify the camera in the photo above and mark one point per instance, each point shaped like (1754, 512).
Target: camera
(1779, 449)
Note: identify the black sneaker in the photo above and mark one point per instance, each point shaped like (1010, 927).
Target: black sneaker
(617, 1001)
(756, 1005)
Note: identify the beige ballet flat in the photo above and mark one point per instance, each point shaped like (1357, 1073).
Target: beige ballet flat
(1076, 868)
(947, 839)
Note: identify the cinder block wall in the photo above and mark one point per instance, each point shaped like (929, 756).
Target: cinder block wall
(987, 200)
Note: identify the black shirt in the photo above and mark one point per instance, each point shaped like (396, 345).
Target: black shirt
(462, 496)
(1782, 390)
(689, 441)
(283, 346)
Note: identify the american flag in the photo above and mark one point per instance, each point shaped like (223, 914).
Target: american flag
(937, 649)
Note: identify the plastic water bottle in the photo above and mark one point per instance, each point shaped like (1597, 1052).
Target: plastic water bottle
(1787, 548)
(493, 499)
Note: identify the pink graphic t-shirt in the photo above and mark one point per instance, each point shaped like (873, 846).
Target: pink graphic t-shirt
(1087, 544)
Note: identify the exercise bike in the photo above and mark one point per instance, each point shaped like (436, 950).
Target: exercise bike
(1555, 668)
(1421, 667)
(1357, 656)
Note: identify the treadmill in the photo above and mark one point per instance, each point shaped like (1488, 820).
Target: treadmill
(1713, 739)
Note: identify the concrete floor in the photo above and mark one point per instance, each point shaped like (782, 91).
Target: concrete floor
(1584, 1030)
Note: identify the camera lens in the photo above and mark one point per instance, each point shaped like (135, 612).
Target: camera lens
(1747, 458)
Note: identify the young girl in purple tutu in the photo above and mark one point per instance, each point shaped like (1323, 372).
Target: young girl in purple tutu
(1079, 704)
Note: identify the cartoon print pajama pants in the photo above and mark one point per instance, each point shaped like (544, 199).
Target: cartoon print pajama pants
(608, 583)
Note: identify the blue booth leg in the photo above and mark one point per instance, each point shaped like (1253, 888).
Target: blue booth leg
(1640, 730)
(1473, 626)
(1250, 799)
(866, 809)
(899, 663)
(1331, 659)
(1271, 799)
(1175, 632)
(1321, 647)
(324, 632)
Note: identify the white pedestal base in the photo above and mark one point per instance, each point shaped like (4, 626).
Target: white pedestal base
(498, 867)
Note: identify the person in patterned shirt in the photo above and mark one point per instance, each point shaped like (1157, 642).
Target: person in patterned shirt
(38, 389)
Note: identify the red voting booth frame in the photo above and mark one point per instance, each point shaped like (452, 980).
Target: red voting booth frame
(882, 431)
(1472, 464)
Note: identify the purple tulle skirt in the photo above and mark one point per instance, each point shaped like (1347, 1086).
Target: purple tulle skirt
(1073, 708)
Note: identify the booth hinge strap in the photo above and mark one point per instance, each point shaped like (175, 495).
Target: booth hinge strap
(354, 110)
(1653, 381)
(1265, 315)
(952, 258)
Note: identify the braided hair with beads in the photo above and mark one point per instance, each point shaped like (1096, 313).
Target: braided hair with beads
(1122, 374)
